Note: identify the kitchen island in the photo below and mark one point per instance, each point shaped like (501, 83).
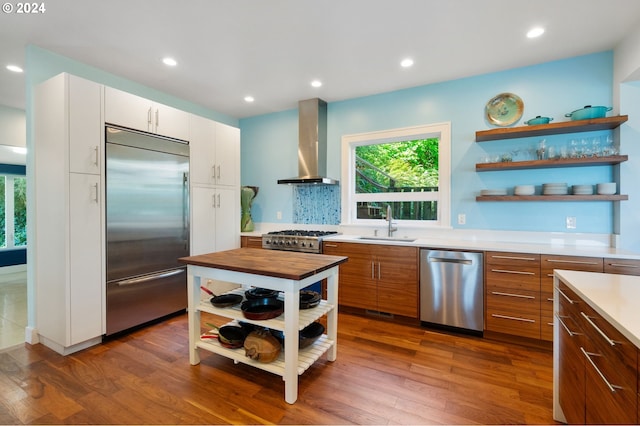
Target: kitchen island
(596, 348)
(287, 272)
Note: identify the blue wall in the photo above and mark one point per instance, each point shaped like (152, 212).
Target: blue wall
(269, 142)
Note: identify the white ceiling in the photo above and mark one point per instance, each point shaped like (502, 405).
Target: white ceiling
(272, 49)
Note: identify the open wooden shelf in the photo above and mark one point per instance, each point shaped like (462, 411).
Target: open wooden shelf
(574, 126)
(552, 197)
(557, 162)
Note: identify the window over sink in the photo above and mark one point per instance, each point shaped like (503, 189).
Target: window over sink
(407, 169)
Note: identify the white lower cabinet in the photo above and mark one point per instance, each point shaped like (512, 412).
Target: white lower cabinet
(67, 229)
(85, 278)
(215, 219)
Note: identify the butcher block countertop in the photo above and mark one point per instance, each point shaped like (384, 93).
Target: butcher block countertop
(274, 263)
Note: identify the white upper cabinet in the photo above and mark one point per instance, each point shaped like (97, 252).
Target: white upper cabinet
(215, 152)
(135, 112)
(85, 125)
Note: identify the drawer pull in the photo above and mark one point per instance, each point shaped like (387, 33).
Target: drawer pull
(514, 258)
(611, 387)
(255, 240)
(506, 271)
(610, 341)
(571, 333)
(499, 293)
(512, 318)
(577, 262)
(624, 265)
(329, 245)
(565, 296)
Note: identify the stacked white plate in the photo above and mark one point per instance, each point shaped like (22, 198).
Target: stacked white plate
(608, 188)
(524, 190)
(582, 189)
(555, 189)
(499, 191)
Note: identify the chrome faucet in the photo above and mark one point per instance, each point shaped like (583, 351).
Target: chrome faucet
(391, 228)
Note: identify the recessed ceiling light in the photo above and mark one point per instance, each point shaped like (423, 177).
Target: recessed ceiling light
(535, 32)
(316, 83)
(14, 68)
(249, 99)
(169, 61)
(406, 63)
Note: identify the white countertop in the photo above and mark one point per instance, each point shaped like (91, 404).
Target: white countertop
(481, 245)
(615, 297)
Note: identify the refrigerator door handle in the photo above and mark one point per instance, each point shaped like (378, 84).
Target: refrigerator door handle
(150, 277)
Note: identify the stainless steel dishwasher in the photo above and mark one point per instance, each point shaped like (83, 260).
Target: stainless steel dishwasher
(451, 290)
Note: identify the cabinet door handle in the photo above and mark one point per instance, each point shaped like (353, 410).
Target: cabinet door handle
(157, 118)
(213, 172)
(577, 262)
(218, 177)
(213, 201)
(499, 293)
(218, 200)
(514, 257)
(373, 271)
(149, 121)
(561, 293)
(571, 333)
(96, 193)
(379, 270)
(512, 318)
(507, 271)
(607, 338)
(96, 156)
(624, 265)
(611, 387)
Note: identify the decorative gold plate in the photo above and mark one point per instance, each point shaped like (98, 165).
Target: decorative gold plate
(504, 109)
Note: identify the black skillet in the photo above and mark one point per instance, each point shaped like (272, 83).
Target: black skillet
(224, 300)
(262, 309)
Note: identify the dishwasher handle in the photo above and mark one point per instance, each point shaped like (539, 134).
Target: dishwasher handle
(450, 260)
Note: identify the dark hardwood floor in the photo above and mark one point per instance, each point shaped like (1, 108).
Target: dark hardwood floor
(385, 374)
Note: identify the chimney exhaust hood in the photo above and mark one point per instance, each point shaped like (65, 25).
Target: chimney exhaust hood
(312, 144)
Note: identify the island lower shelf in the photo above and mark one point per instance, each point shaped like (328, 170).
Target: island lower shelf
(306, 356)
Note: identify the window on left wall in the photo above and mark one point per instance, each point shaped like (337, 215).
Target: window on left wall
(13, 211)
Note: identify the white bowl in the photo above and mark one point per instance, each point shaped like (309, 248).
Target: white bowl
(608, 188)
(524, 190)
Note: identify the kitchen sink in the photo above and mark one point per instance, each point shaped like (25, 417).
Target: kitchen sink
(400, 239)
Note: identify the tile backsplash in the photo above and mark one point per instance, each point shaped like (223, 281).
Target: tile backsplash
(318, 204)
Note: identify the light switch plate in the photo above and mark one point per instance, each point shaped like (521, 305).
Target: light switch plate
(571, 222)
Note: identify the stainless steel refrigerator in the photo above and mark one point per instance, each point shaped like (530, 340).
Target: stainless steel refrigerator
(147, 227)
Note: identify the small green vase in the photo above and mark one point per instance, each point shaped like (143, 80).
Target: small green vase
(247, 194)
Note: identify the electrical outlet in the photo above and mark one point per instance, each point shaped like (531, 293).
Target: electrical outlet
(279, 215)
(571, 222)
(462, 219)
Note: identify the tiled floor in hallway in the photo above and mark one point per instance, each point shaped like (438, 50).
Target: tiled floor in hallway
(13, 309)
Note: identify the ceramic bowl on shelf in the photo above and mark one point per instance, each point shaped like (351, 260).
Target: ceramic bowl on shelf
(582, 189)
(524, 190)
(608, 188)
(499, 191)
(555, 189)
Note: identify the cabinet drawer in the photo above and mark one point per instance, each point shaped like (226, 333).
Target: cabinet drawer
(253, 242)
(569, 303)
(572, 263)
(513, 312)
(611, 395)
(612, 347)
(514, 277)
(546, 325)
(512, 259)
(622, 266)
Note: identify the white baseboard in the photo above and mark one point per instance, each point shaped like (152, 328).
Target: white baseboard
(31, 336)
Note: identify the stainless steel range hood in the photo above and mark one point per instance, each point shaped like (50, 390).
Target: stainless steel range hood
(312, 144)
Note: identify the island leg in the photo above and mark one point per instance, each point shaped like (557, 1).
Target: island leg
(332, 316)
(291, 332)
(193, 298)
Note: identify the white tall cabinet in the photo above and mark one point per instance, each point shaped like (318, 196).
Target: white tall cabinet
(69, 206)
(215, 189)
(69, 203)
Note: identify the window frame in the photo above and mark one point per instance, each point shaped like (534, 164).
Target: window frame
(9, 220)
(442, 131)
